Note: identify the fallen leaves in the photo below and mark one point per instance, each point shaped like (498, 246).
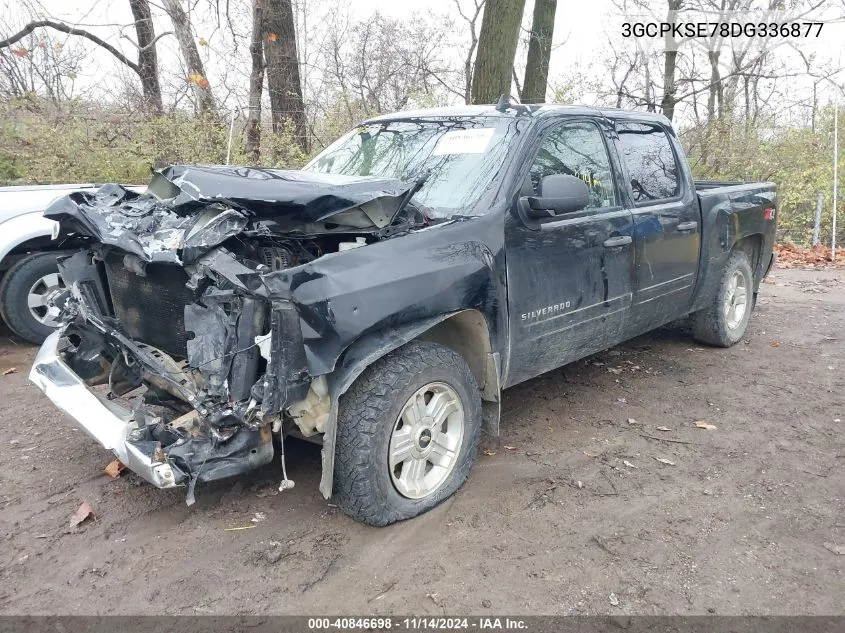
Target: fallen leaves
(20, 52)
(629, 464)
(704, 424)
(114, 468)
(83, 513)
(663, 460)
(11, 370)
(839, 550)
(775, 343)
(203, 42)
(662, 428)
(792, 256)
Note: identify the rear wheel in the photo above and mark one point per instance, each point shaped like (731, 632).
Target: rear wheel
(724, 323)
(407, 434)
(26, 294)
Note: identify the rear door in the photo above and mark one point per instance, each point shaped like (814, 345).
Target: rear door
(667, 228)
(570, 279)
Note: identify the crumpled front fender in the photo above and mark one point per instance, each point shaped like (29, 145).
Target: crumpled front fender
(360, 355)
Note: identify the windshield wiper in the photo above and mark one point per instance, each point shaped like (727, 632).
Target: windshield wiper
(418, 184)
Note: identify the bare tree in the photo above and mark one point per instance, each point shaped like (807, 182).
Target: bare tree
(536, 79)
(384, 63)
(147, 57)
(72, 30)
(191, 56)
(282, 67)
(497, 43)
(39, 65)
(471, 18)
(256, 84)
(667, 103)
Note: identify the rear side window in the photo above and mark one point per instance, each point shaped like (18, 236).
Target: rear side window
(650, 162)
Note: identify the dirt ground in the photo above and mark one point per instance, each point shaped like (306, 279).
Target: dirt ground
(570, 512)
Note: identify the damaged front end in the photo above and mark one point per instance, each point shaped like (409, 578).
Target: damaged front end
(173, 353)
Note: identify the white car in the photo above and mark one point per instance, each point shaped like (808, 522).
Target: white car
(28, 258)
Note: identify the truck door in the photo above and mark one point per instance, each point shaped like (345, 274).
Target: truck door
(667, 230)
(570, 278)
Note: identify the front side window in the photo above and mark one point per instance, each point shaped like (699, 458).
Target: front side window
(650, 162)
(461, 157)
(576, 149)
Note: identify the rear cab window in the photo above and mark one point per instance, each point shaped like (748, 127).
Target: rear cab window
(649, 162)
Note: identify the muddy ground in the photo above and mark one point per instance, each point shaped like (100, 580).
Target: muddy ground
(569, 513)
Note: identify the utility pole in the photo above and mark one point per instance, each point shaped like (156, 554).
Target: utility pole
(835, 179)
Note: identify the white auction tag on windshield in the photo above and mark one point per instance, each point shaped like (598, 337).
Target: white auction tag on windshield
(473, 141)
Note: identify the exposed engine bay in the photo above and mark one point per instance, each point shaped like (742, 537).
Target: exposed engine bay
(180, 305)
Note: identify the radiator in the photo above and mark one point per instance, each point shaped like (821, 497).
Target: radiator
(151, 309)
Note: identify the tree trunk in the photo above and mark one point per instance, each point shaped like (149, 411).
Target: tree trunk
(191, 56)
(256, 85)
(147, 57)
(715, 88)
(539, 50)
(496, 50)
(667, 104)
(283, 81)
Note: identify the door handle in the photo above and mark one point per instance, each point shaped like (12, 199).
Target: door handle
(620, 240)
(687, 226)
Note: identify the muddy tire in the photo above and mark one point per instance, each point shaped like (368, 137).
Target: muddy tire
(724, 322)
(407, 434)
(24, 295)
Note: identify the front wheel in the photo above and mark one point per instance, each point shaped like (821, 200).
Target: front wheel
(723, 323)
(407, 434)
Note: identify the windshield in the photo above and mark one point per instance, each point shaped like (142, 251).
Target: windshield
(459, 158)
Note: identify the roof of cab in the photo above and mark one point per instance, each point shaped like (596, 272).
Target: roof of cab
(535, 111)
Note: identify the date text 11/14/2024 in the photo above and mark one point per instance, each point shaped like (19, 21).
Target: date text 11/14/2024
(418, 623)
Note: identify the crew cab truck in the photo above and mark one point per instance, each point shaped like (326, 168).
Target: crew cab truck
(381, 299)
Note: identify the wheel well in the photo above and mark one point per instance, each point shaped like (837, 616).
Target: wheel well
(41, 243)
(752, 245)
(467, 333)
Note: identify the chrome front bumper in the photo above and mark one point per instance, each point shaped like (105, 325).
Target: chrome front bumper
(105, 421)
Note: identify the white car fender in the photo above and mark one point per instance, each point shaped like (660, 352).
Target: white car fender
(17, 230)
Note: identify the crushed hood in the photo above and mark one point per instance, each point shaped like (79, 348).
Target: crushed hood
(187, 210)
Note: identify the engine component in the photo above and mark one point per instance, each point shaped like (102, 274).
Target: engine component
(277, 257)
(358, 243)
(312, 413)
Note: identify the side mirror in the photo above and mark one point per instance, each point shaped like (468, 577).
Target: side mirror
(559, 194)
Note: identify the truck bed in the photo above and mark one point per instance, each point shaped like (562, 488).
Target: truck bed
(731, 212)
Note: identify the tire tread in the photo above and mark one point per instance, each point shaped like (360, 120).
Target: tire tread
(708, 325)
(364, 411)
(16, 316)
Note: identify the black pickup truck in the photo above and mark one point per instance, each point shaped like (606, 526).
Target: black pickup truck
(379, 300)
